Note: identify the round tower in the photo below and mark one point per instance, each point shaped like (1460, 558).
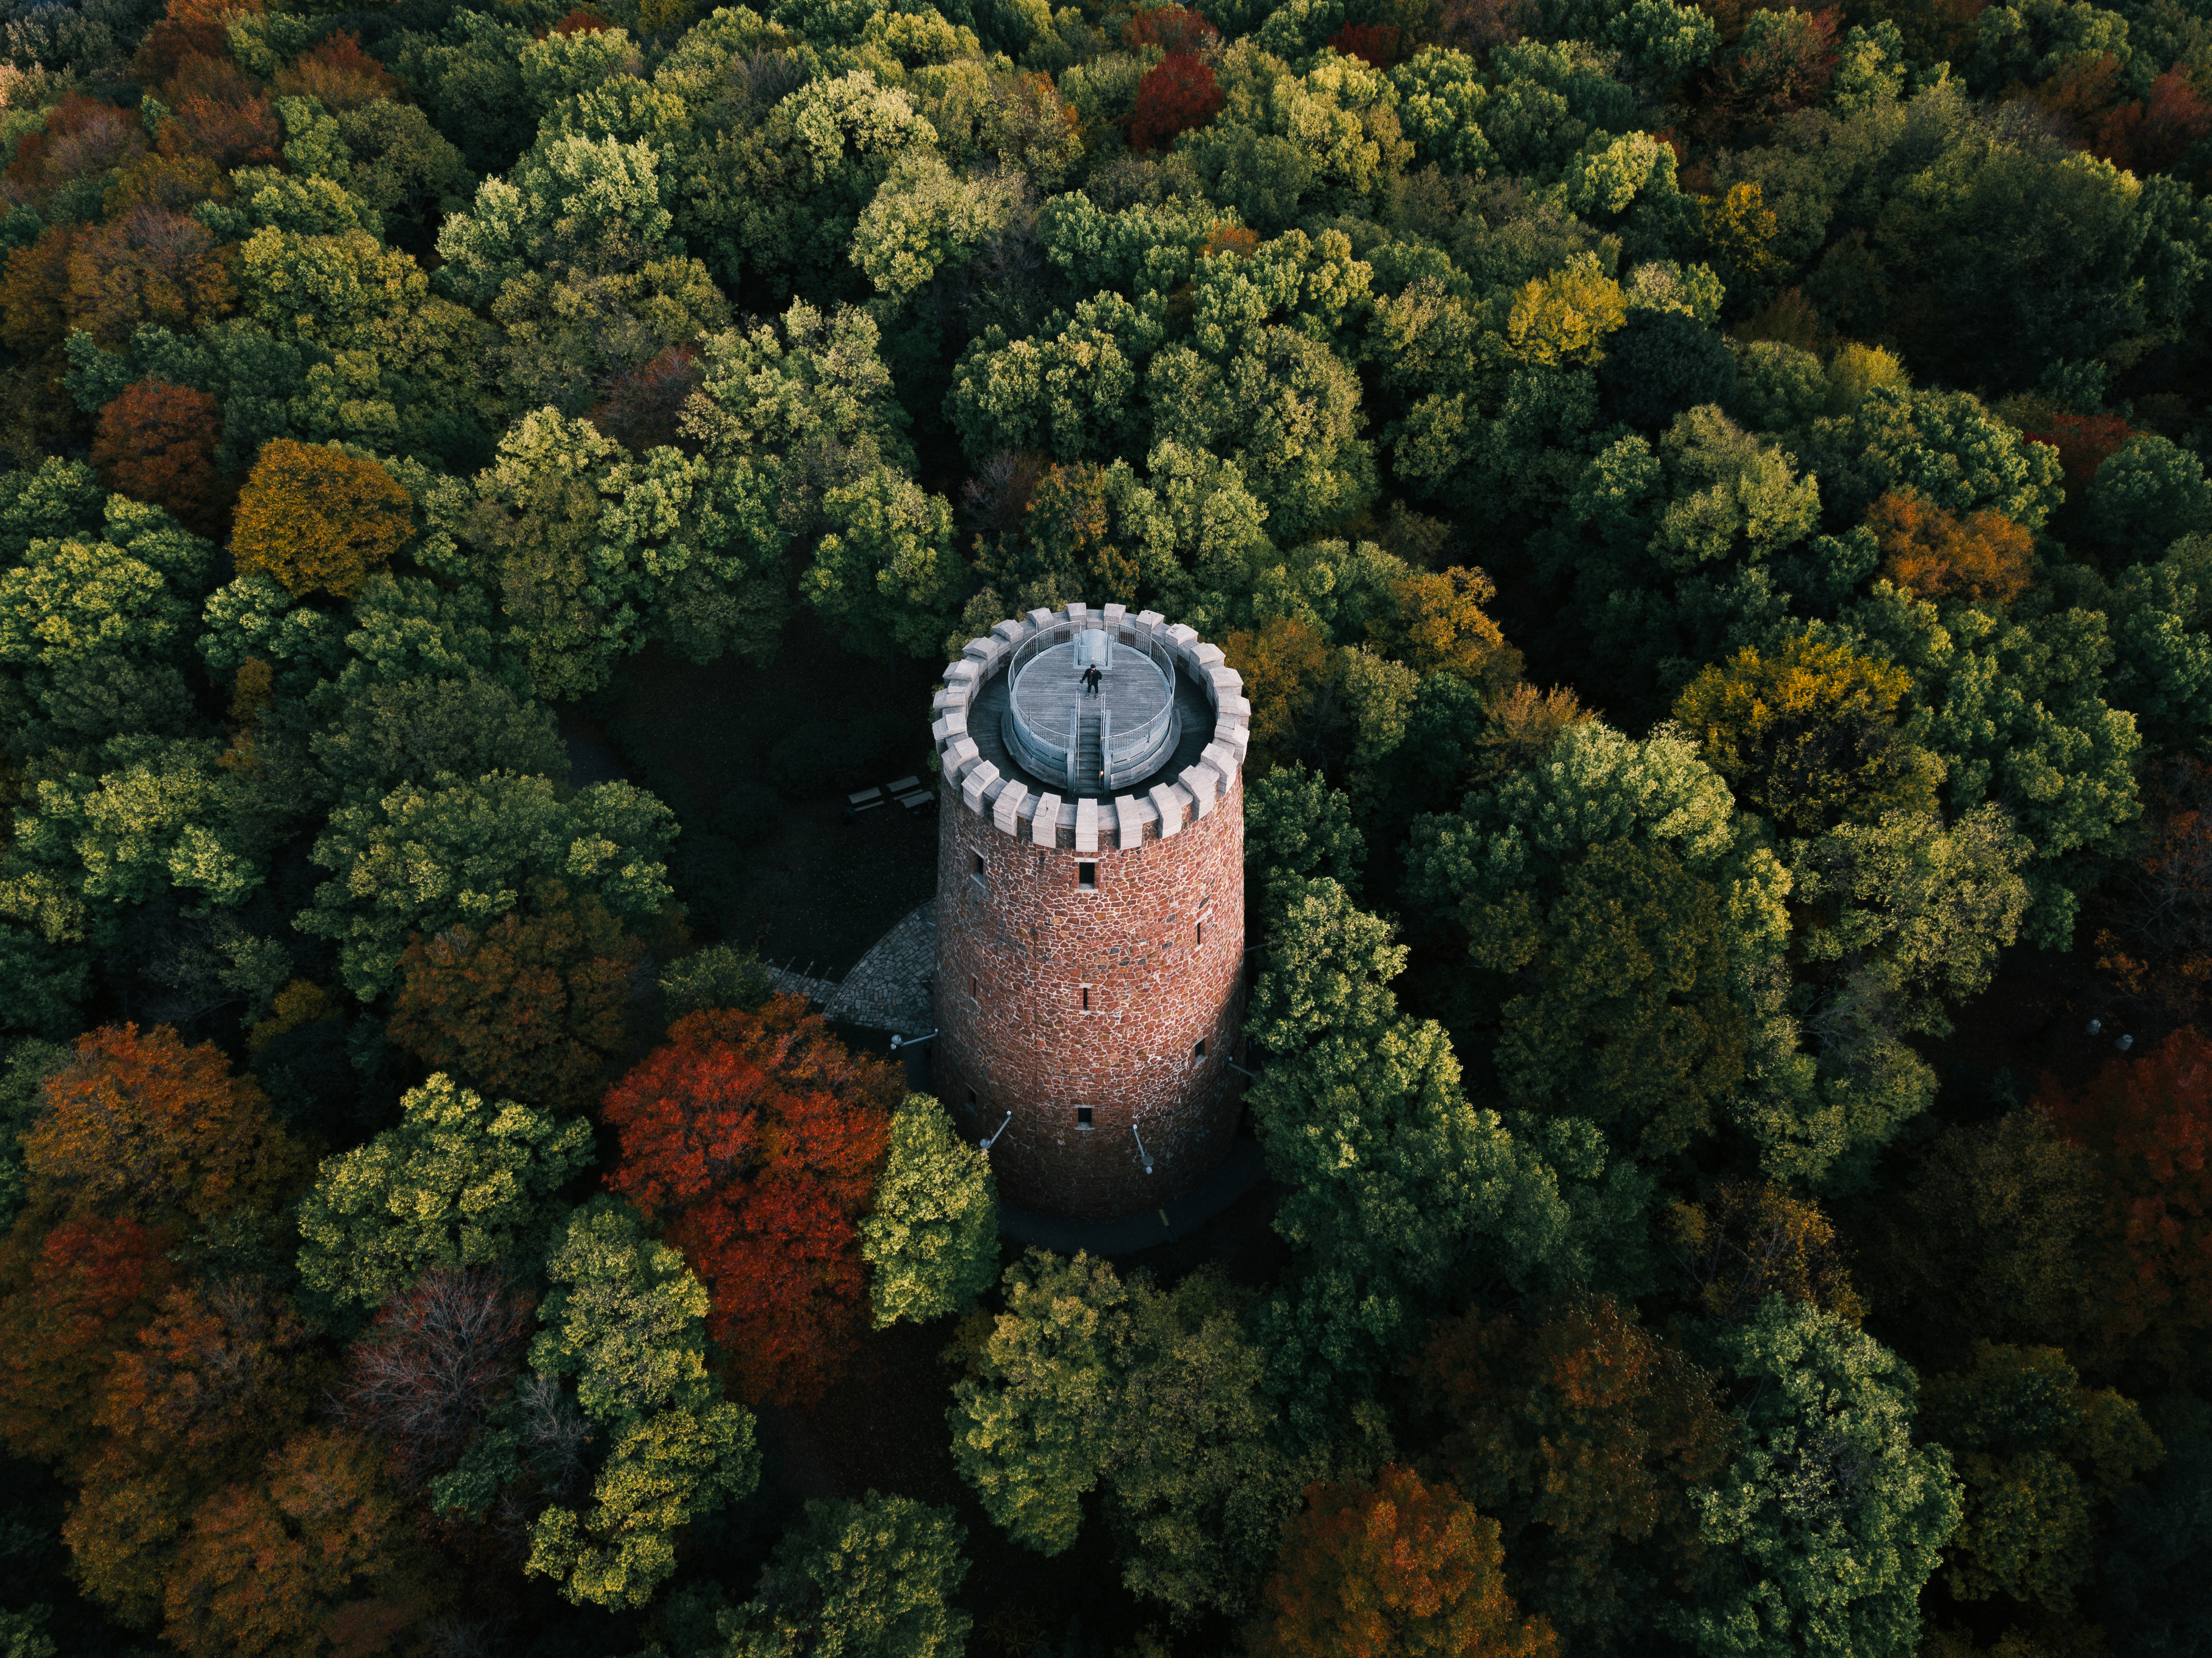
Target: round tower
(1091, 906)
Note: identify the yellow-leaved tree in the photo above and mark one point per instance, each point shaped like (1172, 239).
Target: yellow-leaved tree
(317, 519)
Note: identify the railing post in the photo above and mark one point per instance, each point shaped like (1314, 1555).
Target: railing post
(1105, 748)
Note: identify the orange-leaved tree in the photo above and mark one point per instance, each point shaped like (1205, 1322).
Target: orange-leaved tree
(140, 1125)
(533, 1006)
(317, 519)
(339, 72)
(1746, 1240)
(312, 1557)
(156, 444)
(1402, 1568)
(2147, 1122)
(73, 1302)
(151, 265)
(1982, 557)
(757, 1139)
(1587, 1437)
(1442, 627)
(214, 1383)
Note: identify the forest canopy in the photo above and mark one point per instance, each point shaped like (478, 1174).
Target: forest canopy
(1708, 503)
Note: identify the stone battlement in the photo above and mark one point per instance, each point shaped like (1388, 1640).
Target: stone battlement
(1033, 814)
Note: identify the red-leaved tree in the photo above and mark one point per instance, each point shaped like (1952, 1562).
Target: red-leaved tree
(1171, 28)
(91, 1285)
(1379, 43)
(2152, 135)
(156, 444)
(640, 406)
(2147, 1120)
(757, 1139)
(1177, 94)
(1400, 1568)
(2083, 442)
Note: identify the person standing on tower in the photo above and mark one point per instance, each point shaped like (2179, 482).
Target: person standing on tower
(1092, 677)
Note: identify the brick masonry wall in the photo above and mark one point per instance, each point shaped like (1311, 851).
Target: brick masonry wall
(1020, 950)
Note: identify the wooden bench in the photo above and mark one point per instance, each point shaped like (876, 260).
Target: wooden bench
(865, 800)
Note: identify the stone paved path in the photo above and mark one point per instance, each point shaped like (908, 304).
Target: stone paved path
(889, 989)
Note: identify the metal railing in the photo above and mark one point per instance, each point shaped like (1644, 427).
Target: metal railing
(1118, 762)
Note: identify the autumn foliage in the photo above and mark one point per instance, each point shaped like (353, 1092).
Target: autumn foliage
(1982, 557)
(1746, 1240)
(339, 72)
(757, 1139)
(1379, 43)
(2083, 442)
(641, 406)
(142, 1125)
(1585, 1433)
(312, 1551)
(2146, 1121)
(89, 1285)
(318, 520)
(156, 444)
(216, 1382)
(533, 1006)
(1171, 28)
(1176, 95)
(1442, 627)
(1398, 1570)
(2151, 134)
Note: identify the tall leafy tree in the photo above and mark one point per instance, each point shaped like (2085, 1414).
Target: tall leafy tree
(624, 1320)
(1402, 1566)
(931, 1236)
(462, 1181)
(1830, 1515)
(758, 1139)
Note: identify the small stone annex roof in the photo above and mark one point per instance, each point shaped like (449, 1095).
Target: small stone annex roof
(1128, 820)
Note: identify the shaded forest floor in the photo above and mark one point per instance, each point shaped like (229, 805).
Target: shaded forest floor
(768, 859)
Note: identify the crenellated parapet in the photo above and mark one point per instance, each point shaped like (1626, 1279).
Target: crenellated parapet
(1070, 818)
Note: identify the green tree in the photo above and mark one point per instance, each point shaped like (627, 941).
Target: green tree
(2015, 710)
(427, 856)
(461, 1181)
(932, 1238)
(420, 730)
(1832, 1518)
(626, 1320)
(1297, 828)
(2041, 1458)
(1628, 1018)
(1157, 1396)
(1029, 1423)
(872, 1579)
(2146, 497)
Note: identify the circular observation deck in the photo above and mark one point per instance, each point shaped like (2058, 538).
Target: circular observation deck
(1088, 741)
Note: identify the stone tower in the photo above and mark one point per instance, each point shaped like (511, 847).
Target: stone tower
(1091, 906)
